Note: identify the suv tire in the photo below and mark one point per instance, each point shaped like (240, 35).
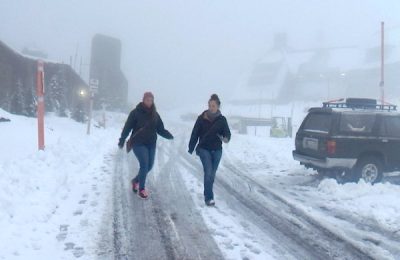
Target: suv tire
(370, 169)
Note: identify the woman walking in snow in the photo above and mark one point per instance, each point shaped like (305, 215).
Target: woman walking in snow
(145, 123)
(210, 130)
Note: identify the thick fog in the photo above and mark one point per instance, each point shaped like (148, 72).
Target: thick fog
(184, 50)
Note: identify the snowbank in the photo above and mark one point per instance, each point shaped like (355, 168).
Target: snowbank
(379, 201)
(46, 196)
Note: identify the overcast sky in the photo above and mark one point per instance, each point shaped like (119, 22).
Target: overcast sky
(187, 49)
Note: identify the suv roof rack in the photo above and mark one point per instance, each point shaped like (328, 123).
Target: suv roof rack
(359, 103)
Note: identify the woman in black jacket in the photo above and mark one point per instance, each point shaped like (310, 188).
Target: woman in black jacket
(210, 130)
(145, 123)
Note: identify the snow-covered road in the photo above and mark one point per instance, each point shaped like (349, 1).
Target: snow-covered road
(76, 201)
(250, 221)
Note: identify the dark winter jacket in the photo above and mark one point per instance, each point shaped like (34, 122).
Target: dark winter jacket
(144, 127)
(208, 133)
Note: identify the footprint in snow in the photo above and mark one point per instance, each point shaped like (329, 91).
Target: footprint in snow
(69, 246)
(78, 252)
(78, 212)
(63, 233)
(252, 249)
(61, 236)
(221, 234)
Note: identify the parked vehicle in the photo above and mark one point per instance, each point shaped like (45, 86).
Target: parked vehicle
(350, 139)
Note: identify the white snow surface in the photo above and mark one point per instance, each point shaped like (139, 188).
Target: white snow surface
(367, 215)
(52, 201)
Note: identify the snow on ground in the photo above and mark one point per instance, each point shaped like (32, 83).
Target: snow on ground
(52, 201)
(364, 201)
(366, 214)
(235, 239)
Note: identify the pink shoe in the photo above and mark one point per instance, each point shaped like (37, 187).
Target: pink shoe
(135, 186)
(143, 194)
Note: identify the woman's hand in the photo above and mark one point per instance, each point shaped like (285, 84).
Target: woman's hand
(223, 139)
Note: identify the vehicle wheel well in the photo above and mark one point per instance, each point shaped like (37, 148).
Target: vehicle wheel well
(375, 154)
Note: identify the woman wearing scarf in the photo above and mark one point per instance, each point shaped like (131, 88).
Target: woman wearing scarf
(210, 130)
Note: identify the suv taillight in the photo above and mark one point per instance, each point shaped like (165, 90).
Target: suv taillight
(331, 147)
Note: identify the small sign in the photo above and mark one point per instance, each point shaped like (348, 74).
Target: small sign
(94, 85)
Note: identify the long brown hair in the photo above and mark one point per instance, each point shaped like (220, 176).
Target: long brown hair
(153, 112)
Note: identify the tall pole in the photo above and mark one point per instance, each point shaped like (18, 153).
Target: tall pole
(94, 86)
(90, 111)
(40, 103)
(382, 83)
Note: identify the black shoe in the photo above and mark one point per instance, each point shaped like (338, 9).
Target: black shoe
(210, 203)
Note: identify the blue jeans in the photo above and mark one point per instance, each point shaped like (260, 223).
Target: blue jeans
(210, 161)
(145, 155)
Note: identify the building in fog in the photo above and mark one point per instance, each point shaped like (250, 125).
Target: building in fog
(65, 91)
(105, 67)
(286, 74)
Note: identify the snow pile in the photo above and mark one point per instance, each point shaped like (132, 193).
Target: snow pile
(379, 201)
(47, 196)
(261, 154)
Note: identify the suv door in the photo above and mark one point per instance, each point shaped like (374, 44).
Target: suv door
(356, 134)
(390, 137)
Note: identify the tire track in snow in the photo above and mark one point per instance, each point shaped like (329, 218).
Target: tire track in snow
(300, 235)
(364, 230)
(165, 226)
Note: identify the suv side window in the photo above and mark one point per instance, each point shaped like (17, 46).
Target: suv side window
(356, 123)
(391, 126)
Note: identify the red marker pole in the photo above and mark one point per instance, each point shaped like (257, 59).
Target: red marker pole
(40, 103)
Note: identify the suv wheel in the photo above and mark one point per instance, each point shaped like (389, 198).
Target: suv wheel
(370, 169)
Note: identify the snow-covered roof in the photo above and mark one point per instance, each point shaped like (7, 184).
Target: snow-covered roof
(16, 52)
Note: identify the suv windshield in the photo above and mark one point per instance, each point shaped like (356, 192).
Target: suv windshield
(357, 123)
(318, 122)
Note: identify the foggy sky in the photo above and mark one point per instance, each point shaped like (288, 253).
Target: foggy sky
(184, 50)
